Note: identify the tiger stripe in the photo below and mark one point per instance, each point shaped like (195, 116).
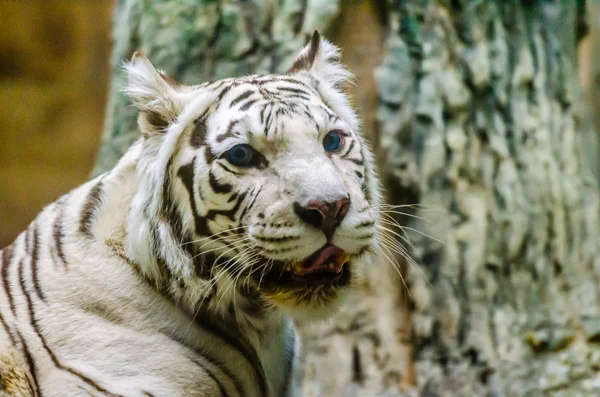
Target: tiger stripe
(7, 257)
(219, 188)
(92, 203)
(243, 347)
(289, 365)
(227, 169)
(7, 329)
(198, 137)
(214, 362)
(34, 262)
(31, 365)
(58, 234)
(34, 325)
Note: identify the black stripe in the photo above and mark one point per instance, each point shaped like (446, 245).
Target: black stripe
(365, 189)
(222, 391)
(6, 259)
(249, 206)
(31, 365)
(364, 224)
(166, 204)
(34, 324)
(186, 174)
(215, 362)
(35, 253)
(240, 344)
(225, 91)
(248, 104)
(209, 156)
(198, 137)
(262, 113)
(241, 97)
(349, 149)
(219, 188)
(92, 202)
(296, 96)
(293, 90)
(228, 169)
(27, 247)
(233, 197)
(356, 161)
(291, 80)
(289, 366)
(269, 123)
(212, 214)
(281, 239)
(171, 214)
(7, 256)
(7, 329)
(229, 133)
(58, 235)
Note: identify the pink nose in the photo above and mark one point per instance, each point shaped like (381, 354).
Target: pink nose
(324, 215)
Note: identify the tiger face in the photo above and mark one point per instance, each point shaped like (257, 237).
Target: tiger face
(263, 180)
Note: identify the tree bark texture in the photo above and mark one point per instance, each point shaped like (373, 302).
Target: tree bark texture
(475, 112)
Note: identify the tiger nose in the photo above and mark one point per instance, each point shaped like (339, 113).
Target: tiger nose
(324, 215)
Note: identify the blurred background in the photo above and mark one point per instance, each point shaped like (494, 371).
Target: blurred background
(54, 73)
(54, 68)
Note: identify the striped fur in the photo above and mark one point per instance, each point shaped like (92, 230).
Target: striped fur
(167, 275)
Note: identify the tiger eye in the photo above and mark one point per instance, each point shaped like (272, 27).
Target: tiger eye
(241, 155)
(333, 141)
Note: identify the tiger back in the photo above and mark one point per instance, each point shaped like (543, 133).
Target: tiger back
(247, 202)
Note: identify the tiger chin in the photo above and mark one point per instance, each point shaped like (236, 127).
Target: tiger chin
(245, 203)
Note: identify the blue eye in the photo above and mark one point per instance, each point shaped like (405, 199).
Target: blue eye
(333, 141)
(241, 155)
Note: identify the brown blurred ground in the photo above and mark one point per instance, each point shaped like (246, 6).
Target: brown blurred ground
(54, 64)
(53, 82)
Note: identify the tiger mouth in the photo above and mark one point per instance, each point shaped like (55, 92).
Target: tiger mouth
(323, 266)
(328, 266)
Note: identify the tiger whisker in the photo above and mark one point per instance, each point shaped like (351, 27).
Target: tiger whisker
(214, 235)
(396, 267)
(401, 237)
(388, 212)
(414, 206)
(395, 246)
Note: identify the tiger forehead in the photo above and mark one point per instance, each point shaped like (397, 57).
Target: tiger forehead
(262, 105)
(242, 93)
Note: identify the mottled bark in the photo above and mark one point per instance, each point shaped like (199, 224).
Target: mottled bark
(484, 125)
(476, 115)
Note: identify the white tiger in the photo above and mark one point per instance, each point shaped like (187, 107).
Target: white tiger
(247, 202)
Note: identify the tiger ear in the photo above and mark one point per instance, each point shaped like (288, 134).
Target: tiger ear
(322, 59)
(153, 94)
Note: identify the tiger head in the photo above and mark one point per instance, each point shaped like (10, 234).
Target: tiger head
(258, 181)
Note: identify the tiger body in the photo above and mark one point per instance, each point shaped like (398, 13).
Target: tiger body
(178, 272)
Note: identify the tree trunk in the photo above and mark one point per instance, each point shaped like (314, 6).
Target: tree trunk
(475, 111)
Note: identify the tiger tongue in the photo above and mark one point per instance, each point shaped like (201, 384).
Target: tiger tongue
(321, 260)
